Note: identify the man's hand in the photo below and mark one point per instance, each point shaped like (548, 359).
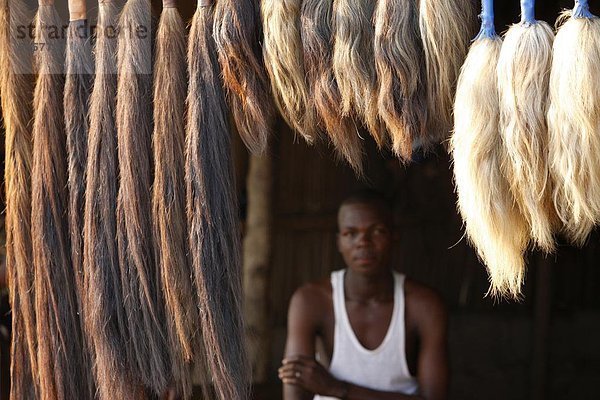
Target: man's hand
(311, 376)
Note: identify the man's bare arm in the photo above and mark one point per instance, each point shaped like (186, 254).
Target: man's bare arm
(431, 321)
(316, 379)
(301, 333)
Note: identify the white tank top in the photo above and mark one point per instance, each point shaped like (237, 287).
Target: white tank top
(383, 368)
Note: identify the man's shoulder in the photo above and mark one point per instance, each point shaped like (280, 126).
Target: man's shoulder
(423, 302)
(314, 293)
(419, 292)
(311, 305)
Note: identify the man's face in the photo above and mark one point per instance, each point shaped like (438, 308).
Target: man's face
(364, 238)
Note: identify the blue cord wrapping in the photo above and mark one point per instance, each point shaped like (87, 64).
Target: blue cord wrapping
(487, 30)
(528, 12)
(582, 9)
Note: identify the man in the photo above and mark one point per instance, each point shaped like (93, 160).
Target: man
(385, 336)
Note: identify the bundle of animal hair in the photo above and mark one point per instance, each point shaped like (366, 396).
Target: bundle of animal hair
(61, 361)
(494, 225)
(574, 123)
(446, 28)
(399, 58)
(523, 78)
(316, 17)
(353, 63)
(168, 198)
(105, 320)
(22, 382)
(214, 237)
(236, 33)
(147, 351)
(16, 92)
(79, 69)
(282, 53)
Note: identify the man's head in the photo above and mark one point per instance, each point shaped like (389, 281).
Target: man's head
(365, 232)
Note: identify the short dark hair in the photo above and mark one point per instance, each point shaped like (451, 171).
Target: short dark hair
(373, 198)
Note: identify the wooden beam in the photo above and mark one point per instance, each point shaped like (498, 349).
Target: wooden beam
(257, 260)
